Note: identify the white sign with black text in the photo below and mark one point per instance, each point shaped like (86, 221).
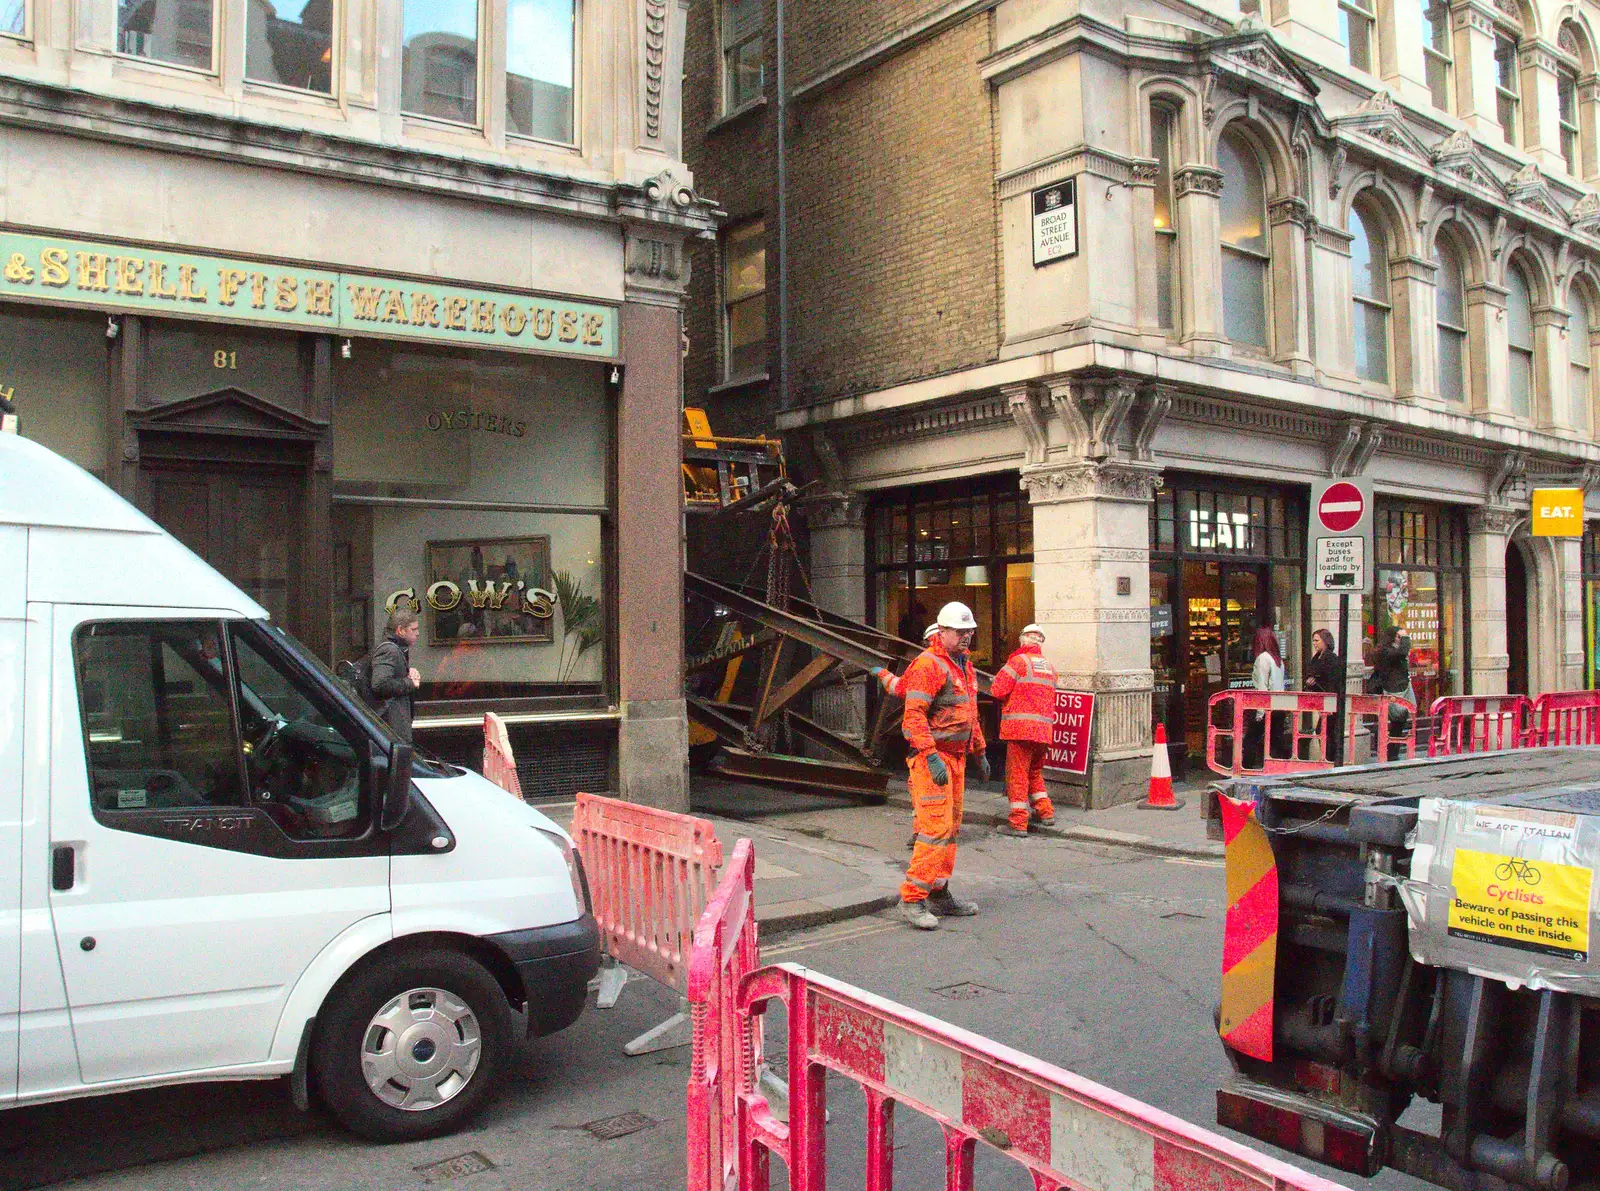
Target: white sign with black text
(1339, 536)
(1055, 222)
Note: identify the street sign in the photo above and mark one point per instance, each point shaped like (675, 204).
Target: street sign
(1339, 536)
(1055, 222)
(1071, 726)
(1557, 513)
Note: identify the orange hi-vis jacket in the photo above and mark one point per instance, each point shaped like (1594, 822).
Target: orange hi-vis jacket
(941, 705)
(1027, 684)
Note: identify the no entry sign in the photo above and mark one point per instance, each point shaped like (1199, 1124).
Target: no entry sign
(1341, 507)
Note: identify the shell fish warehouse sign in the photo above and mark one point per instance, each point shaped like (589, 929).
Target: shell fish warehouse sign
(138, 280)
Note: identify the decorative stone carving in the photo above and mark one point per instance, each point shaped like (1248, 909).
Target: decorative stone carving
(1346, 449)
(1494, 519)
(1585, 213)
(1144, 173)
(1197, 179)
(1512, 468)
(1291, 209)
(1336, 171)
(1093, 410)
(835, 510)
(1091, 480)
(1458, 154)
(1208, 90)
(1154, 403)
(1025, 403)
(655, 56)
(1568, 40)
(828, 461)
(1377, 102)
(1510, 8)
(1368, 448)
(653, 260)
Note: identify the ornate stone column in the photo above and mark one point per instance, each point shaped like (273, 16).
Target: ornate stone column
(1291, 289)
(837, 521)
(1411, 290)
(1091, 583)
(1488, 531)
(1475, 66)
(1486, 343)
(1541, 127)
(1197, 192)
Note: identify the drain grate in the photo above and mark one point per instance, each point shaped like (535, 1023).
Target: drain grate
(967, 990)
(458, 1167)
(611, 1128)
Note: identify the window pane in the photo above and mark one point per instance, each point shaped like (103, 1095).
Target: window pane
(1450, 292)
(539, 39)
(1579, 399)
(745, 283)
(1577, 327)
(176, 31)
(157, 724)
(439, 59)
(747, 336)
(741, 20)
(1439, 81)
(1164, 246)
(1244, 297)
(1436, 25)
(1357, 34)
(1369, 258)
(1243, 196)
(1505, 61)
(1521, 375)
(747, 260)
(1452, 364)
(1161, 146)
(1519, 311)
(746, 72)
(303, 771)
(14, 16)
(292, 45)
(1372, 342)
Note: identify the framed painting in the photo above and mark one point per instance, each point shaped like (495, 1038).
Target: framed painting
(490, 591)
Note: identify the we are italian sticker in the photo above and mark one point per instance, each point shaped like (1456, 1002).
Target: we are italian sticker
(1531, 904)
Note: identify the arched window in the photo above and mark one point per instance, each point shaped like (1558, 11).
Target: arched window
(1519, 341)
(1437, 53)
(1450, 313)
(1245, 252)
(1369, 286)
(1162, 123)
(1580, 392)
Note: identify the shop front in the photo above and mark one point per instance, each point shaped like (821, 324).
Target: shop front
(1421, 590)
(1591, 605)
(1225, 558)
(341, 445)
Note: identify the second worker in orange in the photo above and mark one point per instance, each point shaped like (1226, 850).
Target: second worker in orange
(1026, 687)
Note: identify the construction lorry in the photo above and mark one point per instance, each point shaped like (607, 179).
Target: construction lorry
(1416, 934)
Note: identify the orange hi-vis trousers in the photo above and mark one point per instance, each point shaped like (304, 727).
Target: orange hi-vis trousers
(1025, 781)
(936, 817)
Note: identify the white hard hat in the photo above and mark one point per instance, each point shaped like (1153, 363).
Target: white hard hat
(956, 615)
(930, 630)
(1032, 629)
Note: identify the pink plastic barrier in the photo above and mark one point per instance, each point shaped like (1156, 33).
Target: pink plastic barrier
(1379, 709)
(1479, 724)
(1307, 715)
(650, 876)
(1566, 717)
(1067, 1131)
(498, 764)
(726, 1047)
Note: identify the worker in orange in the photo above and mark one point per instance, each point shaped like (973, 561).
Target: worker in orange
(886, 677)
(1026, 686)
(941, 724)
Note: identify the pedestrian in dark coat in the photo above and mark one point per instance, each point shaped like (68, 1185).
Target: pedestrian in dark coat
(394, 679)
(1325, 673)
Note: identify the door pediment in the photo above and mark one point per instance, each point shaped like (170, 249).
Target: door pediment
(229, 411)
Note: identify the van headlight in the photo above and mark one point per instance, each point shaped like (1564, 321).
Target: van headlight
(575, 873)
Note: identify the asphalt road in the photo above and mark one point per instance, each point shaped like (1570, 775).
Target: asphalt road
(1102, 961)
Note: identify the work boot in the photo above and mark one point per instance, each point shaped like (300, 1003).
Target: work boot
(947, 905)
(1041, 820)
(1009, 829)
(916, 913)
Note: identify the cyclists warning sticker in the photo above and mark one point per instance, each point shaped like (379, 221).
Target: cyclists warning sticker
(1532, 904)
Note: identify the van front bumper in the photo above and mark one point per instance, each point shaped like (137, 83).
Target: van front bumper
(555, 964)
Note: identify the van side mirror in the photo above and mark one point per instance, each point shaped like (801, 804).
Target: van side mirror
(394, 786)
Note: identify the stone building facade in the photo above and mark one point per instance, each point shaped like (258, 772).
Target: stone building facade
(1296, 240)
(374, 302)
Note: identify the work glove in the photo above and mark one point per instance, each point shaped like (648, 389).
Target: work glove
(938, 770)
(983, 767)
(878, 672)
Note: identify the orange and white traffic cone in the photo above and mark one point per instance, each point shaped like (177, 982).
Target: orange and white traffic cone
(1160, 797)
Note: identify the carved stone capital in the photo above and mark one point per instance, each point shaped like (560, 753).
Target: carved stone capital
(1494, 519)
(1291, 209)
(655, 264)
(1060, 483)
(1197, 179)
(1027, 404)
(1093, 409)
(835, 510)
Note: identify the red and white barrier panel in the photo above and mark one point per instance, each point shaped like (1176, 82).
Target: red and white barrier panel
(1479, 724)
(651, 874)
(499, 766)
(1232, 716)
(1566, 717)
(1067, 1131)
(726, 1047)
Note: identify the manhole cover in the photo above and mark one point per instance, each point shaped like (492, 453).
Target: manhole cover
(458, 1167)
(965, 991)
(611, 1128)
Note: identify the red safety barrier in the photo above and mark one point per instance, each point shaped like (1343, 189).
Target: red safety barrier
(1307, 716)
(727, 1048)
(1380, 709)
(1067, 1131)
(499, 766)
(1479, 724)
(1566, 717)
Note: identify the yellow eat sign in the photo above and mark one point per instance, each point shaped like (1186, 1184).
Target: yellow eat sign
(1557, 513)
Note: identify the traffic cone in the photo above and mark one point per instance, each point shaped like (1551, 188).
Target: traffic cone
(1160, 797)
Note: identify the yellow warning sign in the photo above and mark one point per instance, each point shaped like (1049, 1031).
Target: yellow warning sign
(1534, 905)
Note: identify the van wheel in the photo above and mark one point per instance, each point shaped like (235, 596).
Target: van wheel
(412, 1046)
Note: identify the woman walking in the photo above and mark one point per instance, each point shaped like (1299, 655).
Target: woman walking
(1325, 674)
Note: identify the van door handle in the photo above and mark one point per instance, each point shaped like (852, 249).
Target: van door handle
(63, 867)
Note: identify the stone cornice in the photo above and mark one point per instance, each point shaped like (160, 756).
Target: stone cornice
(1080, 159)
(1059, 483)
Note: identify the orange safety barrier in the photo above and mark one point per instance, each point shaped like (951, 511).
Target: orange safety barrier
(1380, 709)
(1307, 715)
(726, 1048)
(651, 873)
(1479, 724)
(1566, 717)
(499, 766)
(1064, 1130)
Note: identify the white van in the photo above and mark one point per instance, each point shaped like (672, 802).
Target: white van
(215, 863)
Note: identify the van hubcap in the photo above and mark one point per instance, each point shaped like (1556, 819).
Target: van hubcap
(421, 1049)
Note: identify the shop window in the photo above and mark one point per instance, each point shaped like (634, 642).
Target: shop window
(540, 40)
(744, 300)
(1421, 585)
(744, 28)
(1358, 29)
(1369, 284)
(1245, 254)
(1580, 391)
(54, 369)
(1519, 341)
(178, 32)
(1437, 52)
(1508, 94)
(1591, 605)
(439, 59)
(1450, 312)
(1162, 124)
(290, 46)
(473, 485)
